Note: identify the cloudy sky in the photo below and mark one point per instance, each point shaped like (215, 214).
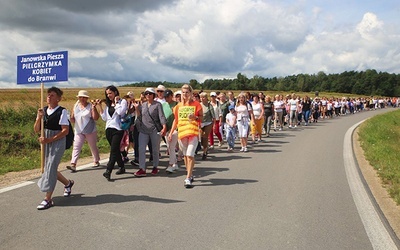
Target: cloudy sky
(124, 41)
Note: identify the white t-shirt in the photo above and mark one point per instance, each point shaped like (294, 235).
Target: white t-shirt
(242, 112)
(293, 104)
(256, 109)
(278, 106)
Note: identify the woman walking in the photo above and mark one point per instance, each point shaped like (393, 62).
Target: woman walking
(257, 124)
(188, 116)
(244, 114)
(115, 109)
(56, 128)
(268, 113)
(84, 115)
(151, 124)
(207, 122)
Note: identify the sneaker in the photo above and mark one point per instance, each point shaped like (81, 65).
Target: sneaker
(154, 171)
(191, 178)
(245, 149)
(211, 147)
(67, 188)
(280, 129)
(295, 126)
(45, 204)
(72, 168)
(259, 140)
(188, 183)
(242, 149)
(140, 173)
(96, 164)
(135, 162)
(220, 143)
(172, 168)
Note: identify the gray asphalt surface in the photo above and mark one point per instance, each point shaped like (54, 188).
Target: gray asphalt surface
(288, 192)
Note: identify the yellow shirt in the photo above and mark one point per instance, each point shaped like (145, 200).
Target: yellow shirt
(186, 127)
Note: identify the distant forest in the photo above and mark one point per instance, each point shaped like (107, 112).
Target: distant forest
(368, 83)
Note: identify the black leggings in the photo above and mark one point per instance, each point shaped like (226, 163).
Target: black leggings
(114, 138)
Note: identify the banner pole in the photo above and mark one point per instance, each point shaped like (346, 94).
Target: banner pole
(42, 129)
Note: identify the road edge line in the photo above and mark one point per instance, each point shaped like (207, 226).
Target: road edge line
(377, 233)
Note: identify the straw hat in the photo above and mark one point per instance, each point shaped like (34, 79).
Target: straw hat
(83, 93)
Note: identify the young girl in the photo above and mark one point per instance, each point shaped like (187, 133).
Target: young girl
(231, 127)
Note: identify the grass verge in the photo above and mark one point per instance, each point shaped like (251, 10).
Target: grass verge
(378, 138)
(19, 146)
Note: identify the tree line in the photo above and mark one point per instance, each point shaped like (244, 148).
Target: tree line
(368, 83)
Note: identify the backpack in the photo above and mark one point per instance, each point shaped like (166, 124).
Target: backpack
(69, 139)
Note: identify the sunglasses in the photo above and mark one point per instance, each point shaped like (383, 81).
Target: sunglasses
(148, 93)
(160, 90)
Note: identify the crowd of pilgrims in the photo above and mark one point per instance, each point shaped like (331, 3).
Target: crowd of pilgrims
(189, 123)
(246, 117)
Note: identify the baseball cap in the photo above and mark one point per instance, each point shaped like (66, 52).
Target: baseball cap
(151, 90)
(168, 92)
(213, 94)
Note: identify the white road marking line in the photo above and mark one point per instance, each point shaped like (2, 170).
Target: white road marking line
(376, 231)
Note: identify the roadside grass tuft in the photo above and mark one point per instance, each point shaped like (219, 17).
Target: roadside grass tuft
(19, 146)
(379, 137)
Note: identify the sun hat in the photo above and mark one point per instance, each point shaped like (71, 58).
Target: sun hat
(178, 93)
(130, 94)
(83, 93)
(160, 87)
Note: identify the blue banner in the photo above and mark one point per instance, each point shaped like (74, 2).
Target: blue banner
(44, 67)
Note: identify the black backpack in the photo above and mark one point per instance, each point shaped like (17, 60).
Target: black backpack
(70, 136)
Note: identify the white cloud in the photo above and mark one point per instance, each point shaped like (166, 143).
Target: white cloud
(129, 41)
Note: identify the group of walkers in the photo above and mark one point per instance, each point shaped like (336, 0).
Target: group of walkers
(187, 121)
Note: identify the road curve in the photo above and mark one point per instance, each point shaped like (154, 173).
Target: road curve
(289, 192)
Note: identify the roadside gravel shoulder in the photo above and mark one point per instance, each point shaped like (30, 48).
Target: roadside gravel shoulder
(14, 178)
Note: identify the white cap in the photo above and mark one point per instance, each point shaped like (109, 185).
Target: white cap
(213, 94)
(151, 90)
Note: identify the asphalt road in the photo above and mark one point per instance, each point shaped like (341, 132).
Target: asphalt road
(289, 192)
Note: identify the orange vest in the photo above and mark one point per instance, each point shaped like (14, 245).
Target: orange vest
(187, 128)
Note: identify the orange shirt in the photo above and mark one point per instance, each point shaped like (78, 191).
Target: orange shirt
(186, 127)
